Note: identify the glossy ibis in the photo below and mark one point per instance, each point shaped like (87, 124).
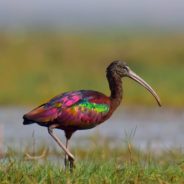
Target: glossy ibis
(83, 109)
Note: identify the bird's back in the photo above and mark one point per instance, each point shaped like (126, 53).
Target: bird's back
(77, 109)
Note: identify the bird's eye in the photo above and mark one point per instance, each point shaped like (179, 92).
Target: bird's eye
(125, 68)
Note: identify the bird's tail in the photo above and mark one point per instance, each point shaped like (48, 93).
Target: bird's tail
(27, 121)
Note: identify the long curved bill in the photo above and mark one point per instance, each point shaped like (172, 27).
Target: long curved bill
(138, 79)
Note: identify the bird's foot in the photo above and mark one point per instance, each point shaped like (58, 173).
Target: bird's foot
(72, 165)
(69, 163)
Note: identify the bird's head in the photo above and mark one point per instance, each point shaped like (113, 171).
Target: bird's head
(121, 69)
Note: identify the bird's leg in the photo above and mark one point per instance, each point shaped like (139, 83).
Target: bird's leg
(68, 161)
(66, 156)
(71, 158)
(71, 162)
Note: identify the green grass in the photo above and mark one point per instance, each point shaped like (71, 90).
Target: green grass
(100, 164)
(37, 66)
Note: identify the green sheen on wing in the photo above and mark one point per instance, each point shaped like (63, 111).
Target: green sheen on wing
(94, 106)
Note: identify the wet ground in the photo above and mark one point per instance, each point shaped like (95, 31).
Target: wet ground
(156, 129)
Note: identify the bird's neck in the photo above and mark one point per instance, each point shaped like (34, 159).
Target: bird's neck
(115, 85)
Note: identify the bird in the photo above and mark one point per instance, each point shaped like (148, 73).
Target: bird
(84, 109)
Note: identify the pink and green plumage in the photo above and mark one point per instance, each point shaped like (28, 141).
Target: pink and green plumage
(72, 111)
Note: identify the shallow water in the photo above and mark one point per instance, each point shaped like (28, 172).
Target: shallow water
(156, 129)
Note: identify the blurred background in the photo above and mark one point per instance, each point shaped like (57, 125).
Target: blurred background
(48, 47)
